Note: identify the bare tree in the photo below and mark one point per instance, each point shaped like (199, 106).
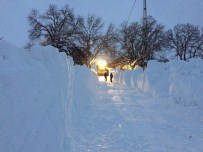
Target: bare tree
(130, 38)
(109, 45)
(89, 36)
(186, 40)
(110, 42)
(51, 26)
(90, 32)
(156, 38)
(132, 41)
(58, 28)
(196, 50)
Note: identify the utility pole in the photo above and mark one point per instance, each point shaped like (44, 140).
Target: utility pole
(144, 12)
(144, 50)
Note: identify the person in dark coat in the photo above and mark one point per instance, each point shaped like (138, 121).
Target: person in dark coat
(105, 75)
(111, 77)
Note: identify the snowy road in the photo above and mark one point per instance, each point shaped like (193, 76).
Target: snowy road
(118, 120)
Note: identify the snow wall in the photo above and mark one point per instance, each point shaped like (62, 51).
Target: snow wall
(177, 81)
(38, 89)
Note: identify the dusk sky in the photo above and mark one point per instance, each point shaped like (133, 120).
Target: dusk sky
(14, 24)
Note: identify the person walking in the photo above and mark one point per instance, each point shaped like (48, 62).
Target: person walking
(111, 77)
(105, 75)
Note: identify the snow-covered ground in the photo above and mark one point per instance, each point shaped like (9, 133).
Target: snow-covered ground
(47, 104)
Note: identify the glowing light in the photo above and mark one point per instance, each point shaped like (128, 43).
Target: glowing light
(102, 64)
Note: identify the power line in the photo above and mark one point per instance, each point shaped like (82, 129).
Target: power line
(131, 11)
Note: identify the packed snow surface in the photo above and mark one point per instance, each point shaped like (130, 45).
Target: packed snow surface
(47, 104)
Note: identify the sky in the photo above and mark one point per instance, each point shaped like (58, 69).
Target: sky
(14, 24)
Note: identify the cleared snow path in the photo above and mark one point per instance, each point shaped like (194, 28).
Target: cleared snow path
(118, 120)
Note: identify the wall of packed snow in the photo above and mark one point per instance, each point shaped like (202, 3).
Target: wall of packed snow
(40, 94)
(178, 81)
(35, 93)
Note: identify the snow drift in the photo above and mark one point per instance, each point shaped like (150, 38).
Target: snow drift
(38, 93)
(34, 94)
(178, 81)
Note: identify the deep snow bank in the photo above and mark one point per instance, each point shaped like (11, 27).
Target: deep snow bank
(84, 93)
(178, 81)
(35, 96)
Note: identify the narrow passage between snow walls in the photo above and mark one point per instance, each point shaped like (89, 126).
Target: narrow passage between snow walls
(138, 112)
(47, 104)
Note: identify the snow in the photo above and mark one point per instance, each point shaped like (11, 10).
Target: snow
(33, 97)
(47, 104)
(178, 81)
